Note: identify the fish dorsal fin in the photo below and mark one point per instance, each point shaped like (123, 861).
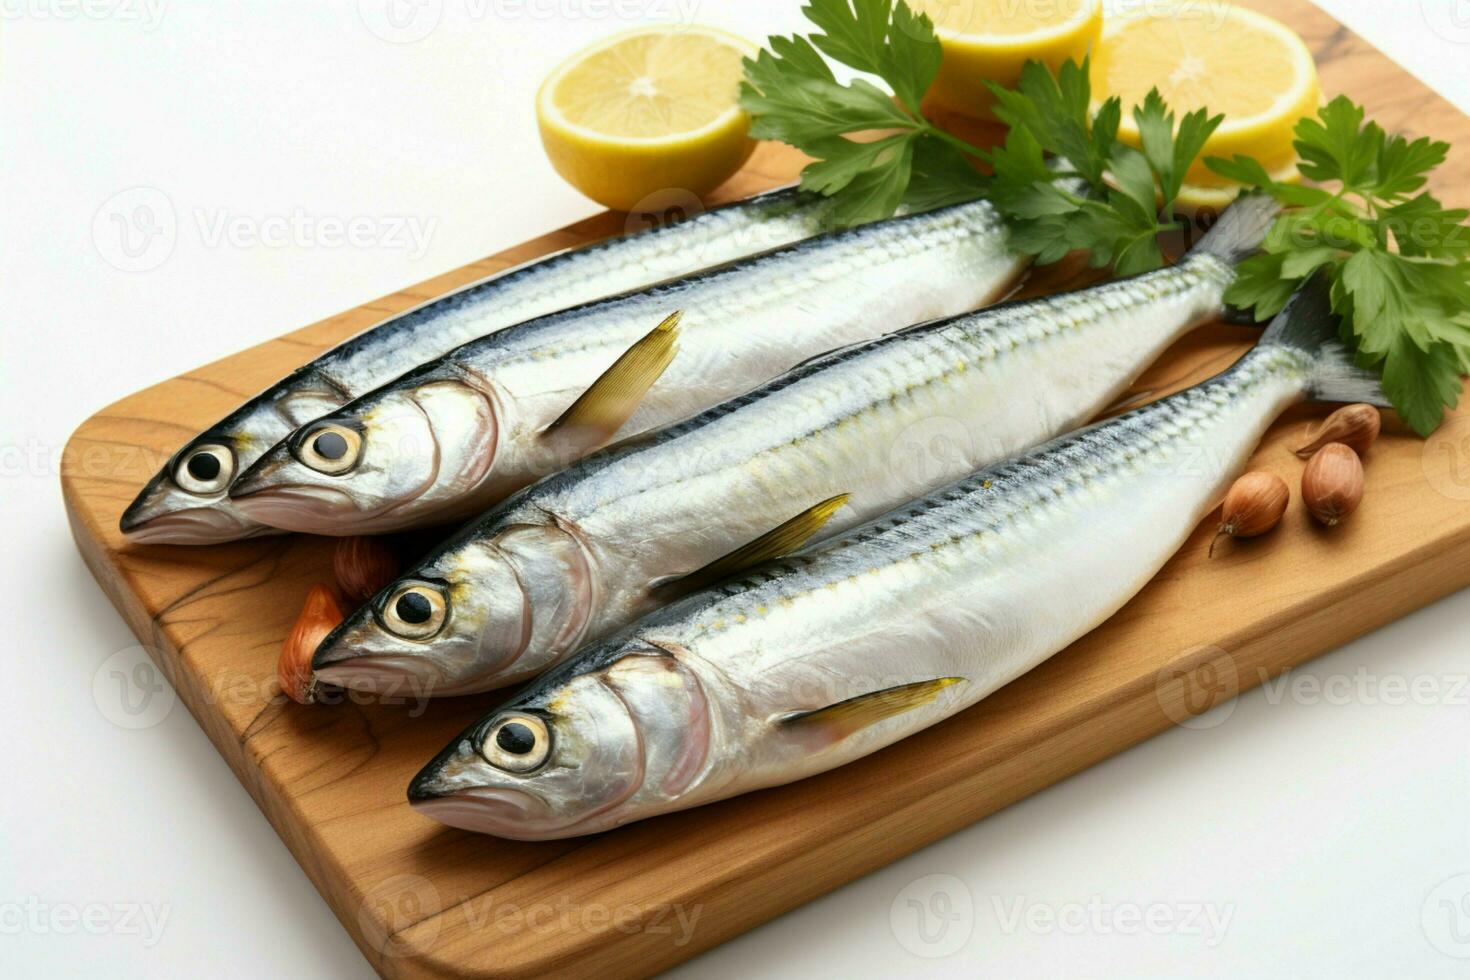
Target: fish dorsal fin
(610, 400)
(780, 540)
(837, 721)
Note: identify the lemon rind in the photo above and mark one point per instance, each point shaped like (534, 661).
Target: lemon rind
(552, 115)
(1008, 42)
(1300, 93)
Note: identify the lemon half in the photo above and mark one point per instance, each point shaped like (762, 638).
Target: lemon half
(990, 40)
(647, 111)
(1229, 60)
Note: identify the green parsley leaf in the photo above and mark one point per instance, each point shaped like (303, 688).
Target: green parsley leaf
(1168, 154)
(1421, 382)
(1261, 282)
(1055, 110)
(1335, 146)
(1400, 264)
(1403, 167)
(941, 175)
(790, 100)
(793, 96)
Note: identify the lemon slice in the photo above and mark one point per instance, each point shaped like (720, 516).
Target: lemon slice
(1229, 60)
(647, 111)
(989, 40)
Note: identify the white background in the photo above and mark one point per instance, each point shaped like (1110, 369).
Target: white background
(1327, 836)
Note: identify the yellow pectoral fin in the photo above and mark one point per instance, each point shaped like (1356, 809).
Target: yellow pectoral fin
(610, 401)
(780, 540)
(837, 721)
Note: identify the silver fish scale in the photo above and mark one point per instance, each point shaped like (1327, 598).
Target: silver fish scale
(873, 376)
(1017, 324)
(725, 293)
(969, 518)
(575, 276)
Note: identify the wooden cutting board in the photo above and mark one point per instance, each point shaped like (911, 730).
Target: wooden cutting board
(422, 900)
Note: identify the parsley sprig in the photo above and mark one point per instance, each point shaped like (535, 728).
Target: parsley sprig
(1116, 217)
(792, 96)
(1103, 197)
(1398, 258)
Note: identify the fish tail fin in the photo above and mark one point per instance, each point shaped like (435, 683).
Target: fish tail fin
(1239, 230)
(1308, 325)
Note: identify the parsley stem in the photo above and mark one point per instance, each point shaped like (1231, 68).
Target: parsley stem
(963, 146)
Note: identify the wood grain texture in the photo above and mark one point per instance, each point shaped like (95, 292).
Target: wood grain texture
(421, 900)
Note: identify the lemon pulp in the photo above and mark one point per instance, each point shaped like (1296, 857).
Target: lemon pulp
(647, 112)
(1254, 70)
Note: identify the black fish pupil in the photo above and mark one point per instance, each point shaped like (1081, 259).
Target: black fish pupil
(330, 445)
(203, 466)
(515, 738)
(414, 608)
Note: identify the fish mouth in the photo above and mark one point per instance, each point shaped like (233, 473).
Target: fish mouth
(500, 811)
(166, 520)
(293, 507)
(380, 674)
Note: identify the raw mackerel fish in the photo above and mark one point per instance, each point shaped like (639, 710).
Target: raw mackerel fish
(464, 431)
(821, 658)
(832, 443)
(185, 502)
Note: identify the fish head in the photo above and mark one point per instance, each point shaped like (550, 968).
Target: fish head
(618, 734)
(399, 457)
(441, 629)
(492, 607)
(187, 500)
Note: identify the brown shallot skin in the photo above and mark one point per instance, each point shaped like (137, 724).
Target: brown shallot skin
(1332, 483)
(1355, 426)
(363, 566)
(1254, 505)
(318, 617)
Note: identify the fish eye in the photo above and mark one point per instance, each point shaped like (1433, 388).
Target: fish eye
(517, 743)
(205, 469)
(415, 612)
(330, 448)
